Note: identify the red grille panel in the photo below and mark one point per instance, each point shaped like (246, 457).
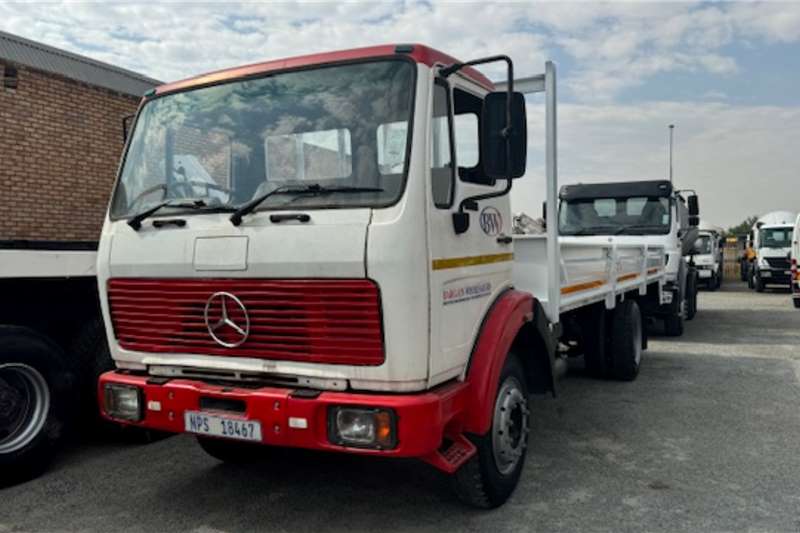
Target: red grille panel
(336, 321)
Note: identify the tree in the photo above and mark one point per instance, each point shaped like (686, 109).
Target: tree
(743, 227)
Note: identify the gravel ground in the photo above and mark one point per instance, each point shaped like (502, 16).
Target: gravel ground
(707, 439)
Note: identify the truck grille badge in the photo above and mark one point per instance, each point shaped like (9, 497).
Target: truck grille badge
(226, 319)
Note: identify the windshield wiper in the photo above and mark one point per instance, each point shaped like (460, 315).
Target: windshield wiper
(136, 221)
(314, 189)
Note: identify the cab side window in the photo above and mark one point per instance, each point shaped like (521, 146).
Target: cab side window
(467, 116)
(442, 168)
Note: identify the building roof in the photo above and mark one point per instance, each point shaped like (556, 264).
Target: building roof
(417, 52)
(40, 56)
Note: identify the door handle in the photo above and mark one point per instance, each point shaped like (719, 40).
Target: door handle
(504, 239)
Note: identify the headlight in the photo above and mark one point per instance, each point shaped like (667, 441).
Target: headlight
(362, 427)
(123, 402)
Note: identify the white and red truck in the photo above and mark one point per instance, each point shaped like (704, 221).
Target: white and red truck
(316, 252)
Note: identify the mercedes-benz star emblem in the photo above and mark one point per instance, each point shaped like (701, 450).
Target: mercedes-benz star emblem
(226, 319)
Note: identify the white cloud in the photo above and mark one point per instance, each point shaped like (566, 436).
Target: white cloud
(737, 158)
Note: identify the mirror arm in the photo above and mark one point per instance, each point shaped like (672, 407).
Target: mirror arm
(449, 70)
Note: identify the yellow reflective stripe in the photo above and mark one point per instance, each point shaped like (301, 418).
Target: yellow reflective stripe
(582, 287)
(474, 260)
(626, 277)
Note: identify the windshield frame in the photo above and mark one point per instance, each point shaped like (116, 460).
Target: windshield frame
(608, 230)
(146, 100)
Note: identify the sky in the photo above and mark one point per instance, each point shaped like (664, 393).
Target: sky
(726, 74)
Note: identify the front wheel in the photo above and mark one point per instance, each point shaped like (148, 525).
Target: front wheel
(231, 451)
(673, 325)
(490, 477)
(760, 285)
(691, 297)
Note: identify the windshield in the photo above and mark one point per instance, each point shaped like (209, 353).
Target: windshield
(615, 216)
(776, 237)
(703, 244)
(338, 126)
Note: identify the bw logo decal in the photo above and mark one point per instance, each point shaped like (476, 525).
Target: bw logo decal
(491, 221)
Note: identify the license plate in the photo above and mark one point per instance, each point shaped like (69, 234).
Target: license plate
(788, 273)
(766, 274)
(704, 273)
(222, 426)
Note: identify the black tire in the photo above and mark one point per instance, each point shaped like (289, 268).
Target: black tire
(760, 285)
(713, 283)
(691, 296)
(231, 451)
(751, 283)
(36, 402)
(91, 356)
(673, 325)
(627, 329)
(796, 302)
(480, 482)
(594, 341)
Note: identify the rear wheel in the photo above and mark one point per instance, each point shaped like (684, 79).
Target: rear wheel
(796, 302)
(36, 400)
(231, 451)
(626, 341)
(490, 477)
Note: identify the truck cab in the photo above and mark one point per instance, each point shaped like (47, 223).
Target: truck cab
(772, 238)
(707, 257)
(649, 212)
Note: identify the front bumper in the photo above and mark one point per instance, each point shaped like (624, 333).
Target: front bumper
(422, 419)
(774, 276)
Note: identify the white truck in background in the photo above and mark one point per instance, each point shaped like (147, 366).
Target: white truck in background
(640, 213)
(358, 289)
(771, 241)
(795, 263)
(707, 256)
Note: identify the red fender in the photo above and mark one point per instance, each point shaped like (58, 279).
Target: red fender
(505, 319)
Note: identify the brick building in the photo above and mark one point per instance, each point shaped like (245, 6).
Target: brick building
(60, 139)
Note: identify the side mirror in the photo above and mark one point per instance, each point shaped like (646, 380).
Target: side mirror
(504, 151)
(694, 221)
(694, 207)
(126, 126)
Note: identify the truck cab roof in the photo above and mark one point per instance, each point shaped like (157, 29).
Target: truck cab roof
(417, 52)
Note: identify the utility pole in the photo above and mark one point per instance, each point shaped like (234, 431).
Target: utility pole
(671, 129)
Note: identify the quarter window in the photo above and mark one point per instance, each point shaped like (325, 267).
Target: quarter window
(442, 148)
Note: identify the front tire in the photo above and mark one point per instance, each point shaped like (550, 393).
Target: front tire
(489, 478)
(673, 325)
(691, 296)
(626, 341)
(231, 451)
(796, 302)
(36, 402)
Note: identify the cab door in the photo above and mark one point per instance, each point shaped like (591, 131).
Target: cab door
(467, 270)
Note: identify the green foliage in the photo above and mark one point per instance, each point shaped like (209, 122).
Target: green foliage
(742, 228)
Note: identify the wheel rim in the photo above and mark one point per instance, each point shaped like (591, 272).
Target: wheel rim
(509, 426)
(24, 404)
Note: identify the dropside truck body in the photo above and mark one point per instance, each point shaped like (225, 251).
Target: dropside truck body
(355, 287)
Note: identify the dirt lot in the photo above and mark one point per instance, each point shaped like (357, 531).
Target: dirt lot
(707, 439)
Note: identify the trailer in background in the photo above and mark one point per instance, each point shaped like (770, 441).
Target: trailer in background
(52, 349)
